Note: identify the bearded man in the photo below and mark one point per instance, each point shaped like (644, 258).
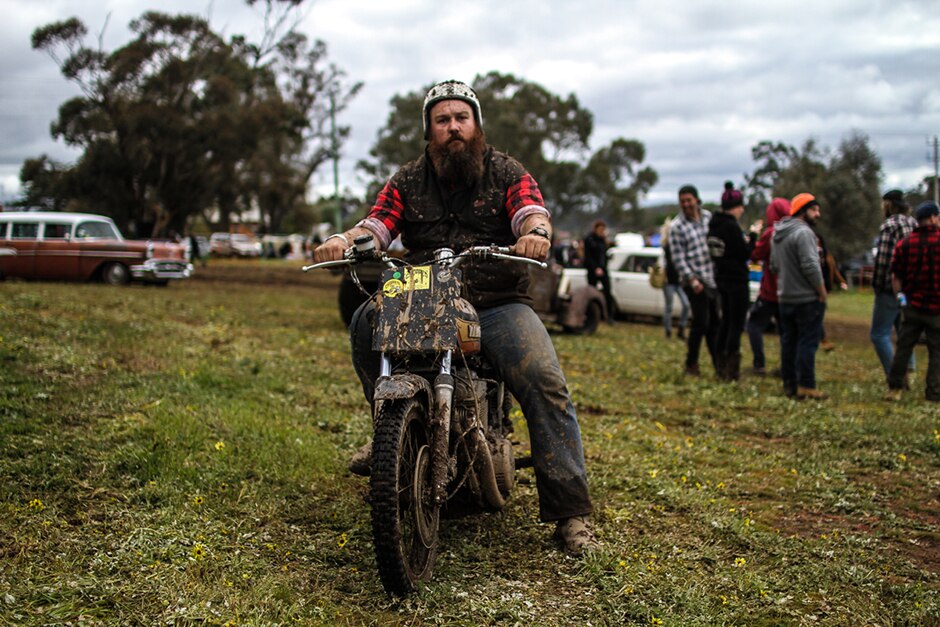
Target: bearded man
(461, 193)
(801, 291)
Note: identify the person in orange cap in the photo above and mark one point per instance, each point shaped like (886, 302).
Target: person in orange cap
(794, 258)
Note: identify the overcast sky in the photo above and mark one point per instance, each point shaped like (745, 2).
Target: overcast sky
(699, 83)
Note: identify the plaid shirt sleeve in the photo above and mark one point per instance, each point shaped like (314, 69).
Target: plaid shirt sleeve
(385, 218)
(894, 229)
(524, 199)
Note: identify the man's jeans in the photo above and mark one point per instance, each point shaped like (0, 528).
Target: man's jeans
(800, 333)
(885, 317)
(671, 290)
(914, 323)
(762, 311)
(516, 343)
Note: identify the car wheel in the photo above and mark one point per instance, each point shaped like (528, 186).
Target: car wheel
(593, 314)
(115, 274)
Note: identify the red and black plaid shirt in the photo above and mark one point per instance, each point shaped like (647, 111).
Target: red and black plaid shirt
(916, 263)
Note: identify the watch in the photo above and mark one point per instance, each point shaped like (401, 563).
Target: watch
(541, 232)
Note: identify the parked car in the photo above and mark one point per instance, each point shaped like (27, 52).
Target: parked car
(234, 245)
(81, 247)
(629, 263)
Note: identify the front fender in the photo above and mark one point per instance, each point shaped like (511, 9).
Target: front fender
(401, 386)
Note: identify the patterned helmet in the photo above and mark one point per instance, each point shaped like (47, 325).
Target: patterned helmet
(451, 90)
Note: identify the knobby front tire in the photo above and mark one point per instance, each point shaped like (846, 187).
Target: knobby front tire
(404, 522)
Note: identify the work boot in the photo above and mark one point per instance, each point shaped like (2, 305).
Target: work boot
(575, 536)
(760, 371)
(733, 366)
(811, 393)
(681, 333)
(893, 396)
(361, 461)
(692, 370)
(720, 363)
(826, 345)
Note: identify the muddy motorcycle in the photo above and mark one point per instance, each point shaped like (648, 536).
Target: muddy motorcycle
(440, 413)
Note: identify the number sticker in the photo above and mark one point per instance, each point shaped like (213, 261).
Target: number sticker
(418, 278)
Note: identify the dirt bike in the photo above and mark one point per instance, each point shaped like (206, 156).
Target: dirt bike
(440, 413)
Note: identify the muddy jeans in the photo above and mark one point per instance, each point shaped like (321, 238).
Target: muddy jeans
(517, 344)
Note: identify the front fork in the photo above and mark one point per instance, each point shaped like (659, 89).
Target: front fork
(441, 409)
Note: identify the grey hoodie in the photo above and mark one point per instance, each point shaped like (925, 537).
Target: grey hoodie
(794, 257)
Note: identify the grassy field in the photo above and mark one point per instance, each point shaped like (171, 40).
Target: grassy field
(177, 456)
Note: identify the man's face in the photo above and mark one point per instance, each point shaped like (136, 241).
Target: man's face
(452, 124)
(689, 205)
(812, 214)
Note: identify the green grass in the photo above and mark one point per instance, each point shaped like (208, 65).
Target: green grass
(178, 456)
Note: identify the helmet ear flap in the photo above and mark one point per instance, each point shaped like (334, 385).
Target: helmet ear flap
(450, 90)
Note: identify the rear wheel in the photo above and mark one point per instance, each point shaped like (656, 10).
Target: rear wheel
(404, 521)
(115, 274)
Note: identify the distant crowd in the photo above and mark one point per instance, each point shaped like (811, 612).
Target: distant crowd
(708, 258)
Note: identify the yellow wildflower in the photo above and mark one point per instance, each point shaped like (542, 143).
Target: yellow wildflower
(37, 505)
(198, 552)
(343, 539)
(740, 562)
(219, 445)
(902, 457)
(653, 473)
(198, 500)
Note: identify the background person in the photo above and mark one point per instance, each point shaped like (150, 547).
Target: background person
(766, 307)
(885, 312)
(596, 245)
(672, 289)
(688, 241)
(915, 273)
(794, 256)
(730, 250)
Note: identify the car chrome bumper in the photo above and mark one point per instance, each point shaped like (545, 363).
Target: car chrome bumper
(162, 269)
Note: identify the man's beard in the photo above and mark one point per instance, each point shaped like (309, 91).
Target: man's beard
(459, 162)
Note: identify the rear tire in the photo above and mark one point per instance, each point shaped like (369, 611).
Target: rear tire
(404, 521)
(115, 274)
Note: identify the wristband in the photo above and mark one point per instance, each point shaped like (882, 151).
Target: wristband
(339, 235)
(541, 232)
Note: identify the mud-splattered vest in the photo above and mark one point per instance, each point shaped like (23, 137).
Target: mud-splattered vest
(435, 217)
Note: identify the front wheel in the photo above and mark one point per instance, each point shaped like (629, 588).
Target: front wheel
(404, 520)
(115, 274)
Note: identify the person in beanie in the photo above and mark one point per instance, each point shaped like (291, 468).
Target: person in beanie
(595, 263)
(794, 257)
(885, 312)
(766, 307)
(730, 250)
(915, 277)
(459, 193)
(688, 243)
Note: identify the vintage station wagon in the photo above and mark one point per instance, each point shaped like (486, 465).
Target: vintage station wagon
(80, 247)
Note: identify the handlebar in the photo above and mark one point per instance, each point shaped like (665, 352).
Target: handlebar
(352, 258)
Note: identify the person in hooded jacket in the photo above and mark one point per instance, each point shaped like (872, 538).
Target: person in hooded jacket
(730, 250)
(766, 307)
(794, 256)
